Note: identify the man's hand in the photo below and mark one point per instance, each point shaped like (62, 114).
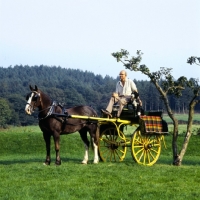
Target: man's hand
(136, 94)
(114, 94)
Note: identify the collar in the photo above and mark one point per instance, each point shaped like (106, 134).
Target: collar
(124, 81)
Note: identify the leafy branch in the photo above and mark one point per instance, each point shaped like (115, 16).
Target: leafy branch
(193, 60)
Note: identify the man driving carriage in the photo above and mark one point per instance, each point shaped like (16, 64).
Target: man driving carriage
(126, 91)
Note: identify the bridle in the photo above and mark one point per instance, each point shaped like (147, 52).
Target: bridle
(35, 98)
(35, 102)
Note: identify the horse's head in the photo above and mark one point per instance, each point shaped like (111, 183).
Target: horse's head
(33, 100)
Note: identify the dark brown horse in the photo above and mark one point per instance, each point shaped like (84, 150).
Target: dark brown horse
(54, 120)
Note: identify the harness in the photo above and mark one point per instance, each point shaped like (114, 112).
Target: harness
(61, 117)
(49, 113)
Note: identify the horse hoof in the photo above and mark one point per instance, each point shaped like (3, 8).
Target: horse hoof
(47, 163)
(58, 162)
(84, 162)
(95, 162)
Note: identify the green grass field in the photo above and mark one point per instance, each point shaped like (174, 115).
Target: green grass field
(23, 175)
(182, 117)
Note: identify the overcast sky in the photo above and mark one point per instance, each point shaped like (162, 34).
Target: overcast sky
(82, 34)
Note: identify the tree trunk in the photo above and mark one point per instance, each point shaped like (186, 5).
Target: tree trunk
(178, 160)
(174, 140)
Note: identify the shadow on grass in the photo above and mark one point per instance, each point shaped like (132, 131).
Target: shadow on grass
(39, 160)
(187, 161)
(167, 161)
(163, 160)
(190, 162)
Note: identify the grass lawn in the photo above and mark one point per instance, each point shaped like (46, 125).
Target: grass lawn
(23, 175)
(182, 117)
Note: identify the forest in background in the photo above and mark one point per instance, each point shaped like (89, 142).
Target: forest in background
(71, 87)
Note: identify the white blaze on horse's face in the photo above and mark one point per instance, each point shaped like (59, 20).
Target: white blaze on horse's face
(29, 107)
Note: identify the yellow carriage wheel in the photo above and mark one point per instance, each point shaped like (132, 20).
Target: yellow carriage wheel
(112, 146)
(145, 149)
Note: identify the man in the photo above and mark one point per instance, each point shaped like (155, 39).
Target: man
(124, 89)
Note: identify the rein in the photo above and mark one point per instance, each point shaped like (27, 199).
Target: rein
(76, 124)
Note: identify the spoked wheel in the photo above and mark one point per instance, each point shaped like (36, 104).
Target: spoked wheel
(145, 149)
(112, 147)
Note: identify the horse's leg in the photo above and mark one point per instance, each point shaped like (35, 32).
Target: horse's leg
(83, 134)
(47, 139)
(56, 138)
(95, 147)
(94, 133)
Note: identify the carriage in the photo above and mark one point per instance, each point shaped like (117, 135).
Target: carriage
(145, 141)
(111, 142)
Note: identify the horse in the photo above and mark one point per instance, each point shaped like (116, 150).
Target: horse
(54, 120)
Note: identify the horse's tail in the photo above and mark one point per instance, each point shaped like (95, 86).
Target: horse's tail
(97, 133)
(96, 138)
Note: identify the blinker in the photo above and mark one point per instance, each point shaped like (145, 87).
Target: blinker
(34, 98)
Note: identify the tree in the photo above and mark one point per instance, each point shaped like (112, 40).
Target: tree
(166, 85)
(196, 89)
(5, 112)
(17, 105)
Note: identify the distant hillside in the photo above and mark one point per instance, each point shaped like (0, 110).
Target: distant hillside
(71, 87)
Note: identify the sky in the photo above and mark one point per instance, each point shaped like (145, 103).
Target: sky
(82, 34)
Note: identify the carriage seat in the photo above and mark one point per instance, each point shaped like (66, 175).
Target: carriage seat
(152, 123)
